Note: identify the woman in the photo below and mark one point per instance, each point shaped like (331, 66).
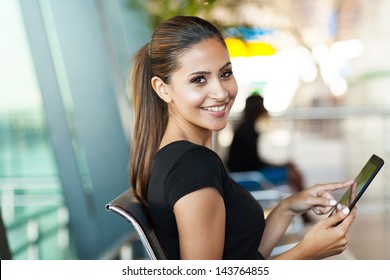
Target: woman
(182, 90)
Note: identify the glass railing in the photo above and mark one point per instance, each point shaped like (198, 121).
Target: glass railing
(36, 218)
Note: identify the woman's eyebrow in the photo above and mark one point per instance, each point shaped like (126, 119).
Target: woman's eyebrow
(199, 73)
(226, 65)
(208, 72)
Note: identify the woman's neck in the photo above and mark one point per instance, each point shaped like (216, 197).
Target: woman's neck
(176, 132)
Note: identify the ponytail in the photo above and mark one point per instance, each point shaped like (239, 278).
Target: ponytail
(150, 120)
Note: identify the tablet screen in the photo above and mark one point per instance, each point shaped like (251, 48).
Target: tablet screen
(362, 181)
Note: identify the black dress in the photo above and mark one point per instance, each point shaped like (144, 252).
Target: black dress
(183, 167)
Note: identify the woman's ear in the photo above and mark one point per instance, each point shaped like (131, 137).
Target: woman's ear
(161, 89)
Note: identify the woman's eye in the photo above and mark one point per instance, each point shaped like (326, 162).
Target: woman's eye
(198, 80)
(226, 74)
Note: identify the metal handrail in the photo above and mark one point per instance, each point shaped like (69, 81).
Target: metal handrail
(41, 234)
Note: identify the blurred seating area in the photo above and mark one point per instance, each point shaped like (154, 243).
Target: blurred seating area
(323, 68)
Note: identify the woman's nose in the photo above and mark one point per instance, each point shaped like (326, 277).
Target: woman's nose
(218, 91)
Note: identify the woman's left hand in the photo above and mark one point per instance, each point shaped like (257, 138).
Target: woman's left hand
(318, 198)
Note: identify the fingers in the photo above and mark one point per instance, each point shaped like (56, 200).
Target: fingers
(320, 210)
(334, 186)
(347, 222)
(321, 201)
(339, 217)
(321, 205)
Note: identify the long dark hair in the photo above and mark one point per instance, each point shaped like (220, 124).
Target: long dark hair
(160, 57)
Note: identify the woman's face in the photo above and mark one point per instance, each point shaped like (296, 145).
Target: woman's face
(203, 89)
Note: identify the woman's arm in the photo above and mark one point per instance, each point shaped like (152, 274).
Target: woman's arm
(276, 225)
(200, 218)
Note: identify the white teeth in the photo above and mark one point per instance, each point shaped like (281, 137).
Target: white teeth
(215, 109)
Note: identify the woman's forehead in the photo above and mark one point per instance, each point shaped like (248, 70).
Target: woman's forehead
(209, 53)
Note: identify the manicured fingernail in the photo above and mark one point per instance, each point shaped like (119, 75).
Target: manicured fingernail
(346, 210)
(339, 207)
(332, 202)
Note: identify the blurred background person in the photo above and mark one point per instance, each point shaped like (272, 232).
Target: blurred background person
(244, 154)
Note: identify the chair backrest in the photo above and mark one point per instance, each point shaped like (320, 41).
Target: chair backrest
(134, 212)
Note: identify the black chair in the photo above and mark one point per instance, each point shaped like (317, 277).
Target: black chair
(134, 212)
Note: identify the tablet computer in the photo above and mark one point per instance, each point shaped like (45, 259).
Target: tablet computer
(360, 184)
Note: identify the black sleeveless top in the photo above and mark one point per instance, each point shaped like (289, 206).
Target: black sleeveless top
(183, 167)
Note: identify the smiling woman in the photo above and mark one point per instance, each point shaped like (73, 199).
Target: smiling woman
(183, 89)
(200, 93)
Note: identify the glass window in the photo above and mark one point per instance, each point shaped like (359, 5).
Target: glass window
(31, 198)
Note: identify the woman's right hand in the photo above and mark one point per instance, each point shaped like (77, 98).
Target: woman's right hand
(329, 236)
